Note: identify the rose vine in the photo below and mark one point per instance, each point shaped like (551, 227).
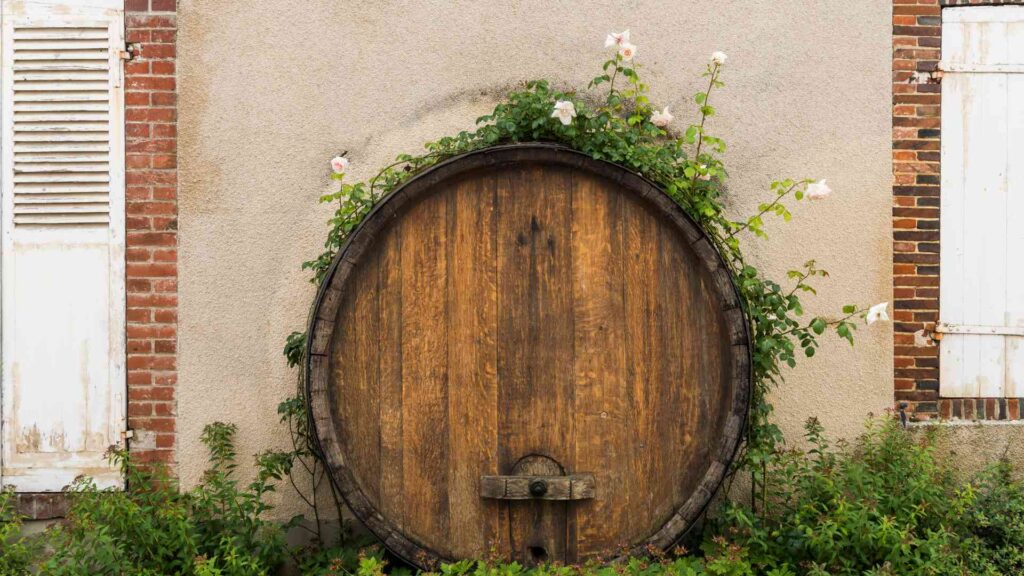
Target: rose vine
(614, 120)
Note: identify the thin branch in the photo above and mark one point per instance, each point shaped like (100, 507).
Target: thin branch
(766, 210)
(703, 116)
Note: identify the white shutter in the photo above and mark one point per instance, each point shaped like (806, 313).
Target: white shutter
(982, 213)
(62, 259)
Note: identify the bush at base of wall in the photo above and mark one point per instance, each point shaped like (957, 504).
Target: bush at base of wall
(884, 504)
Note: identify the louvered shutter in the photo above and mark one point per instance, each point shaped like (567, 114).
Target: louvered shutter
(62, 260)
(982, 207)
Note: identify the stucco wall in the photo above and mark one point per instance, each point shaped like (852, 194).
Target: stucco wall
(269, 94)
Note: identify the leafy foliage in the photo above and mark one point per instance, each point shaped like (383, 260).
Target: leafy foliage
(884, 505)
(17, 553)
(993, 525)
(153, 528)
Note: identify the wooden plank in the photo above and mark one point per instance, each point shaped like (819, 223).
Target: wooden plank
(1014, 376)
(424, 370)
(476, 524)
(571, 487)
(392, 493)
(951, 230)
(603, 405)
(982, 14)
(682, 385)
(535, 332)
(354, 367)
(641, 247)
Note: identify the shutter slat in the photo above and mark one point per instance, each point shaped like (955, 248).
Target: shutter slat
(58, 188)
(66, 157)
(62, 76)
(61, 126)
(45, 147)
(90, 198)
(93, 96)
(57, 136)
(61, 116)
(59, 44)
(77, 86)
(62, 55)
(68, 106)
(94, 33)
(60, 167)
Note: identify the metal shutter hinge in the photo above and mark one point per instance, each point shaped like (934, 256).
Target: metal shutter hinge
(129, 52)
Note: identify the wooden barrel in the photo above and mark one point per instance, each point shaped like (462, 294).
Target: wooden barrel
(528, 353)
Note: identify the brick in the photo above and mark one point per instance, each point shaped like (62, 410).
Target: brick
(161, 68)
(150, 83)
(152, 270)
(150, 21)
(916, 30)
(916, 10)
(164, 5)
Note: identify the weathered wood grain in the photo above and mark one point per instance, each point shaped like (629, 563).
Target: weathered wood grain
(603, 404)
(389, 306)
(356, 367)
(472, 365)
(425, 370)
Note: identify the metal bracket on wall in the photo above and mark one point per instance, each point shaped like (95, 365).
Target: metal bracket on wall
(946, 328)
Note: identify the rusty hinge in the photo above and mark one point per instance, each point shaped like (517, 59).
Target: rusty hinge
(127, 434)
(129, 52)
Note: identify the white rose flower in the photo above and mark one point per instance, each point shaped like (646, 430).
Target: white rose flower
(564, 111)
(627, 51)
(616, 39)
(339, 164)
(704, 173)
(877, 312)
(818, 190)
(661, 118)
(718, 57)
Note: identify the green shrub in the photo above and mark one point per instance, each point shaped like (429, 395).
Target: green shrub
(993, 526)
(216, 529)
(883, 505)
(17, 553)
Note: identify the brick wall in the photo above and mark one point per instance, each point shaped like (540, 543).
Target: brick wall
(916, 101)
(151, 178)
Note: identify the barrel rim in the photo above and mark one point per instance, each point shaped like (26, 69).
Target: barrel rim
(324, 312)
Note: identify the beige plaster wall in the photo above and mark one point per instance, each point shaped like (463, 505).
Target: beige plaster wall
(271, 90)
(974, 445)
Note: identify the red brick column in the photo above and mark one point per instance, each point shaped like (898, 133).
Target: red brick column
(915, 154)
(151, 179)
(916, 142)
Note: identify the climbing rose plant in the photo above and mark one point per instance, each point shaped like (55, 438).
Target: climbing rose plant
(614, 120)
